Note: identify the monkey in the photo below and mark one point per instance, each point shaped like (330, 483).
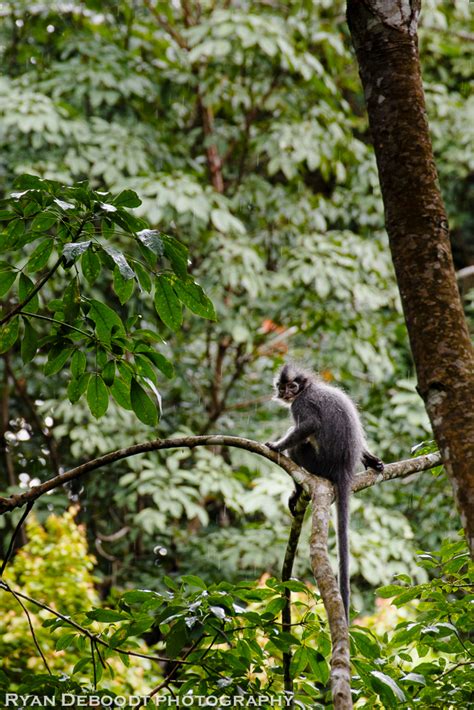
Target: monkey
(328, 440)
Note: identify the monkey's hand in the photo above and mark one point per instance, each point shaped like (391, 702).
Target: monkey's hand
(273, 445)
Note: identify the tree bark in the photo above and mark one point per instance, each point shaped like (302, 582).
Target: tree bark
(385, 39)
(322, 497)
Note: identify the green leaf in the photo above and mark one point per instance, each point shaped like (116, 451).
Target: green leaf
(177, 254)
(25, 287)
(29, 343)
(407, 596)
(40, 255)
(78, 363)
(144, 368)
(416, 678)
(107, 615)
(176, 639)
(193, 581)
(275, 606)
(72, 300)
(388, 683)
(7, 279)
(43, 221)
(9, 334)
(366, 645)
(108, 373)
(139, 596)
(122, 287)
(166, 303)
(73, 250)
(97, 396)
(391, 590)
(6, 215)
(318, 664)
(144, 278)
(142, 405)
(57, 358)
(106, 320)
(91, 265)
(152, 240)
(192, 295)
(77, 386)
(120, 261)
(127, 198)
(30, 182)
(64, 641)
(120, 391)
(81, 664)
(159, 360)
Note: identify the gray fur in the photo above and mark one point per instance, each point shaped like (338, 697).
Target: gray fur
(327, 440)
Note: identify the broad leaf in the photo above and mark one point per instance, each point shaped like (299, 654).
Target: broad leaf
(127, 198)
(73, 250)
(192, 295)
(121, 262)
(91, 265)
(40, 255)
(9, 333)
(105, 320)
(29, 342)
(142, 405)
(97, 396)
(167, 304)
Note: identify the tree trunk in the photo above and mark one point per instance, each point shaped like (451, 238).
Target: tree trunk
(385, 39)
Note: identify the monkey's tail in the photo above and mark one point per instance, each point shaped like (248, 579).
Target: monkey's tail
(343, 514)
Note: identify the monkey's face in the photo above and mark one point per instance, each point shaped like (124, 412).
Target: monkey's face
(289, 385)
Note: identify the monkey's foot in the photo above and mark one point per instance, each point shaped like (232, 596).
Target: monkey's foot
(371, 461)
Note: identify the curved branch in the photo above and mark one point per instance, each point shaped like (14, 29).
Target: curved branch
(19, 499)
(399, 469)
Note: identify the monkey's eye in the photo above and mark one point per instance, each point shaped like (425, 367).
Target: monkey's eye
(293, 387)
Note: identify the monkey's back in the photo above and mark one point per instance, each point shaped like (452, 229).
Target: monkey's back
(335, 447)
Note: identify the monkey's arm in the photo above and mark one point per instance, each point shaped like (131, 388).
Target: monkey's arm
(295, 435)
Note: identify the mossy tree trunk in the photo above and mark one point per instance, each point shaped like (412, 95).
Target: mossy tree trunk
(384, 34)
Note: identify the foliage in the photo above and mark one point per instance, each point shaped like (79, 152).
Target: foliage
(60, 576)
(416, 650)
(46, 223)
(427, 658)
(228, 148)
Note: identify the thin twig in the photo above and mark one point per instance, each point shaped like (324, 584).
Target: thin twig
(94, 669)
(17, 596)
(8, 553)
(38, 286)
(93, 637)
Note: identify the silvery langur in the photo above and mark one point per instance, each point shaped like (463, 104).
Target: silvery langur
(327, 439)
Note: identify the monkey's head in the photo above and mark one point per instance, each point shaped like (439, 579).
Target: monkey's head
(290, 383)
